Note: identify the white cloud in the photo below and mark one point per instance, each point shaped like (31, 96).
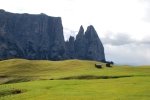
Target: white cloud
(123, 39)
(128, 54)
(68, 32)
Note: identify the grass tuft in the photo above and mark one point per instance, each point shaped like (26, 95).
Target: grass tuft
(11, 91)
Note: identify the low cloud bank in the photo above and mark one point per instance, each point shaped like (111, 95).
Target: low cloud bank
(130, 54)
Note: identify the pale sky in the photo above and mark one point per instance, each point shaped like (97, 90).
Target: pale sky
(122, 25)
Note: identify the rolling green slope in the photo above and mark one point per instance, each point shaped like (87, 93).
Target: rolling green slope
(26, 70)
(44, 80)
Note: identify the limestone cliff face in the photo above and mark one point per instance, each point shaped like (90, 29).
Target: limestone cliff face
(86, 46)
(70, 48)
(93, 46)
(80, 44)
(31, 36)
(41, 37)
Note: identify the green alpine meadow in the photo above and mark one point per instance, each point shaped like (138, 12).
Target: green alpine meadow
(75, 50)
(22, 79)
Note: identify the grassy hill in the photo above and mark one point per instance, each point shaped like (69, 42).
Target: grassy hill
(72, 80)
(44, 69)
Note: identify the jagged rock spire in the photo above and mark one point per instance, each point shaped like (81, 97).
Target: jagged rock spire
(81, 30)
(80, 33)
(93, 45)
(79, 44)
(91, 32)
(89, 46)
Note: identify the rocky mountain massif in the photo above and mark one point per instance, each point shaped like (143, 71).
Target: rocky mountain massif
(41, 37)
(86, 46)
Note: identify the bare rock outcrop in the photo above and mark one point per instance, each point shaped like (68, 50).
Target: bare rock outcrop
(86, 46)
(40, 36)
(31, 36)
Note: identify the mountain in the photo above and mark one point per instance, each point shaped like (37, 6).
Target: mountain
(38, 36)
(31, 36)
(86, 46)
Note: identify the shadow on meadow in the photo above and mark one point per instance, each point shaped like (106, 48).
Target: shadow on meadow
(88, 77)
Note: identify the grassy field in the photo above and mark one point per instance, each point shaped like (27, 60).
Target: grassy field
(72, 80)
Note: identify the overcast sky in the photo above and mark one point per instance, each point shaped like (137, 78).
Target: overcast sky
(122, 25)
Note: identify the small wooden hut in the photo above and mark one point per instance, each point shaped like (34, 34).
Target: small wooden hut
(98, 65)
(108, 65)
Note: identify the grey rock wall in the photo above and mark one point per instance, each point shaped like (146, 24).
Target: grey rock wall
(31, 36)
(70, 48)
(93, 46)
(40, 36)
(86, 46)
